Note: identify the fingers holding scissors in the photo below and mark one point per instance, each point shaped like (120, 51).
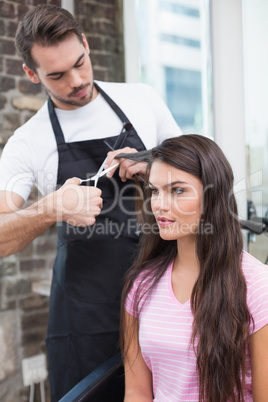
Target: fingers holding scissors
(77, 205)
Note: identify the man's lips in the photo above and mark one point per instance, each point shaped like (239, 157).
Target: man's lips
(163, 222)
(81, 93)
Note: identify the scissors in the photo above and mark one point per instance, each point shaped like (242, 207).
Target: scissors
(118, 144)
(100, 173)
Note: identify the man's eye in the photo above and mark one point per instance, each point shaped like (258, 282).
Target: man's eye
(80, 64)
(56, 77)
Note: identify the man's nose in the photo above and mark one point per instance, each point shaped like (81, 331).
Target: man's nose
(75, 79)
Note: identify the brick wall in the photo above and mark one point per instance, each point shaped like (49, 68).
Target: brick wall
(103, 27)
(23, 314)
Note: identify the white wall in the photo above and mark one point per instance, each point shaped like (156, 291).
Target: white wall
(255, 33)
(68, 5)
(131, 42)
(228, 83)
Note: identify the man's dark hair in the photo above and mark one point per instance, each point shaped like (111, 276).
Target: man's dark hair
(45, 25)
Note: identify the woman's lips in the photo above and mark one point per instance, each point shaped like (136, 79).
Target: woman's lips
(163, 222)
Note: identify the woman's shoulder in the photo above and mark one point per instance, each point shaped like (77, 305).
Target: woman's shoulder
(252, 267)
(138, 286)
(145, 278)
(255, 272)
(142, 280)
(256, 275)
(143, 283)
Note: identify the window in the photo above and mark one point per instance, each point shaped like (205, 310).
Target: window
(255, 32)
(179, 40)
(176, 7)
(174, 56)
(183, 93)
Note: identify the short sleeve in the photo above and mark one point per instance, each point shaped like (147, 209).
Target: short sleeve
(129, 302)
(16, 174)
(137, 298)
(257, 298)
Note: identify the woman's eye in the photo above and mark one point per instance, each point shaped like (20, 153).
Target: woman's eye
(177, 190)
(153, 190)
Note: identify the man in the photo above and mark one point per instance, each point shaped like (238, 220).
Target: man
(67, 140)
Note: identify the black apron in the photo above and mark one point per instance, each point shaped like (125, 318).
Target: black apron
(90, 263)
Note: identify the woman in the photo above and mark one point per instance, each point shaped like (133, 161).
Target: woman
(194, 322)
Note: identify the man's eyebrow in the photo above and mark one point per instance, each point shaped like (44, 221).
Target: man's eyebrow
(173, 183)
(61, 72)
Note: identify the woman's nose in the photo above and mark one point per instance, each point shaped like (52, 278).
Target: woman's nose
(160, 203)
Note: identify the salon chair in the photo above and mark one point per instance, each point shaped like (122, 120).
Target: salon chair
(105, 384)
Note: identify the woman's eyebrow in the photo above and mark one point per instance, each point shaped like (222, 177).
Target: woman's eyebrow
(61, 72)
(173, 183)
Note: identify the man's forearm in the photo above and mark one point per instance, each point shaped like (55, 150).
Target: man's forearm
(17, 229)
(72, 203)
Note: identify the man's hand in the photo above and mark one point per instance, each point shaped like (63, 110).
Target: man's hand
(75, 204)
(127, 168)
(72, 203)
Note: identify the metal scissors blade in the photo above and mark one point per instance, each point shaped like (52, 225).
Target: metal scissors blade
(100, 173)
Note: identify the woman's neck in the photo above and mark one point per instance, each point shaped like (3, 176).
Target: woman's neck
(185, 270)
(186, 259)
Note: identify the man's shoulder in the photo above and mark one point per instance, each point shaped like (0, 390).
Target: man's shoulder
(35, 124)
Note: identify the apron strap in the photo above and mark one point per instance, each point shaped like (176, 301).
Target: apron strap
(113, 105)
(55, 123)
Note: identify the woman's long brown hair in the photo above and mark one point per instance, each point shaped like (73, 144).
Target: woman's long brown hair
(218, 301)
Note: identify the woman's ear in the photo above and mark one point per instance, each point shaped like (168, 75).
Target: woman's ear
(31, 74)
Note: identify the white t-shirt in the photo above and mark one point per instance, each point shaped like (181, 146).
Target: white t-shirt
(30, 156)
(165, 329)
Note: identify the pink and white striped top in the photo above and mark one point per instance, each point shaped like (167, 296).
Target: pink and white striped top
(166, 328)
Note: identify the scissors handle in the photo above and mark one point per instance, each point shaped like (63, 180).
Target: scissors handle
(122, 136)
